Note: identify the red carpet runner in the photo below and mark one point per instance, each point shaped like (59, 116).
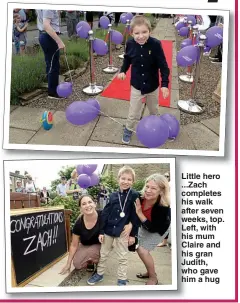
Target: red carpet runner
(119, 89)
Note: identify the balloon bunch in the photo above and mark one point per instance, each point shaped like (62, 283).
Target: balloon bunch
(154, 131)
(82, 112)
(86, 175)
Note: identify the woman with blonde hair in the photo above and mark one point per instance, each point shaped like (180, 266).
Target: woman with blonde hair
(154, 213)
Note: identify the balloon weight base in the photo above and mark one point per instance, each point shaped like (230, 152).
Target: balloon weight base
(92, 90)
(191, 107)
(121, 56)
(186, 78)
(110, 70)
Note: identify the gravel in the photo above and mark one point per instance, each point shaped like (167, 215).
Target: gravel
(74, 278)
(209, 77)
(82, 81)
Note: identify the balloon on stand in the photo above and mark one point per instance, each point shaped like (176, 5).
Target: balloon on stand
(129, 16)
(88, 169)
(173, 124)
(95, 103)
(152, 131)
(186, 42)
(84, 181)
(123, 18)
(183, 32)
(94, 179)
(117, 37)
(191, 18)
(214, 36)
(187, 56)
(83, 30)
(180, 25)
(64, 89)
(79, 24)
(100, 47)
(79, 169)
(80, 113)
(104, 21)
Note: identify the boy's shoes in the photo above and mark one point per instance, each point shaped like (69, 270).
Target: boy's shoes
(127, 134)
(55, 96)
(95, 279)
(122, 282)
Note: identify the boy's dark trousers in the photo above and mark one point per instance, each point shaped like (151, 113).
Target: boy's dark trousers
(49, 47)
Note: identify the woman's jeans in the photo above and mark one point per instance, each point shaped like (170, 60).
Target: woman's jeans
(49, 47)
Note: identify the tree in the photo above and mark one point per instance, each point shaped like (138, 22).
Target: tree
(64, 172)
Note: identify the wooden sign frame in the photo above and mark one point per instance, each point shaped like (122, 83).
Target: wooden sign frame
(22, 211)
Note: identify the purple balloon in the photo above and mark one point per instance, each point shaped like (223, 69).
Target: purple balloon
(186, 42)
(214, 36)
(152, 131)
(123, 18)
(191, 18)
(104, 21)
(83, 30)
(117, 37)
(80, 113)
(100, 47)
(187, 56)
(180, 25)
(94, 179)
(64, 89)
(84, 181)
(173, 124)
(79, 24)
(129, 16)
(79, 169)
(88, 169)
(183, 32)
(95, 103)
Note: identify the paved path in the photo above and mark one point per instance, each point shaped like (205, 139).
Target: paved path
(163, 265)
(104, 132)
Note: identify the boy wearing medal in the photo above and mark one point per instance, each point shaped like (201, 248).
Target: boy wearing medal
(119, 222)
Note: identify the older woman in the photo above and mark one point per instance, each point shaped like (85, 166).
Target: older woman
(85, 247)
(72, 188)
(154, 213)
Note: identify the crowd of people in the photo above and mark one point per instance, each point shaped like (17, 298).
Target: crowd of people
(130, 221)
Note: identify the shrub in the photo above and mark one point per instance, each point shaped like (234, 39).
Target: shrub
(68, 203)
(28, 72)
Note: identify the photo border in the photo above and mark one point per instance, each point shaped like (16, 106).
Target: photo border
(119, 150)
(87, 288)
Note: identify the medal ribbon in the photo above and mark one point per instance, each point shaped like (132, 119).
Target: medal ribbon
(119, 198)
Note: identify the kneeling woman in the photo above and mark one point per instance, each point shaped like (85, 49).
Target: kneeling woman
(154, 214)
(85, 247)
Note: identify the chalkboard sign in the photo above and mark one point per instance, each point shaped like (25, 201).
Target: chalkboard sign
(38, 237)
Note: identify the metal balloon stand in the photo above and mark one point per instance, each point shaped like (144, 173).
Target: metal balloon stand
(188, 78)
(110, 69)
(191, 106)
(92, 89)
(125, 37)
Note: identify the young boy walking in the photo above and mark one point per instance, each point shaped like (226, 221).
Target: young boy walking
(118, 215)
(146, 56)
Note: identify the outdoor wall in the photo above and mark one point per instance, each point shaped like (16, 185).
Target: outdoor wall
(142, 170)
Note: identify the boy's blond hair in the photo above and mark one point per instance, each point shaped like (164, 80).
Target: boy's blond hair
(126, 170)
(139, 20)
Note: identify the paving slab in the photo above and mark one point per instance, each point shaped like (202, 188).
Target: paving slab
(213, 124)
(13, 107)
(174, 98)
(64, 133)
(183, 141)
(20, 136)
(27, 118)
(110, 131)
(115, 108)
(164, 110)
(105, 144)
(202, 137)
